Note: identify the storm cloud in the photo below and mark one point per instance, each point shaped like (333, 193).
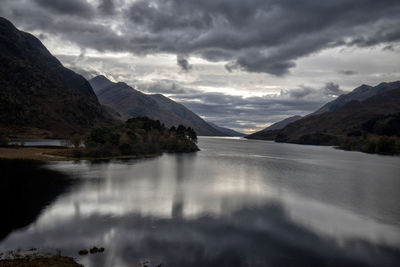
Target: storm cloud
(183, 63)
(70, 7)
(107, 7)
(262, 36)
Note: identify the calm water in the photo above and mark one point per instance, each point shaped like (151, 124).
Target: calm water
(38, 142)
(235, 203)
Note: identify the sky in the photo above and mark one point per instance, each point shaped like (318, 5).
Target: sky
(240, 64)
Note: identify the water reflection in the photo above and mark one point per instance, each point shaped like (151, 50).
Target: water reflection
(258, 236)
(235, 203)
(26, 187)
(38, 142)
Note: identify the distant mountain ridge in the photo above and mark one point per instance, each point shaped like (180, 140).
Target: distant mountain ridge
(369, 122)
(38, 94)
(227, 131)
(282, 124)
(348, 117)
(359, 94)
(269, 132)
(133, 103)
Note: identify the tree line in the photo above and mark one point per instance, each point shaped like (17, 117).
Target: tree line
(137, 136)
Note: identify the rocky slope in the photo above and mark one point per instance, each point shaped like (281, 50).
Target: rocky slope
(38, 95)
(132, 103)
(270, 132)
(370, 122)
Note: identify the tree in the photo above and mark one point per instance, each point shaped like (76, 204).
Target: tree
(76, 140)
(192, 134)
(4, 140)
(181, 132)
(139, 136)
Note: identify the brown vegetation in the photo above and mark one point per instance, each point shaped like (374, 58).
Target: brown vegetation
(40, 261)
(32, 153)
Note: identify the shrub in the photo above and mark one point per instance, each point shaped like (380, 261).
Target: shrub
(125, 149)
(77, 153)
(76, 140)
(4, 140)
(386, 145)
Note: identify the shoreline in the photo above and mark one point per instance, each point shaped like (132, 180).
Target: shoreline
(34, 258)
(337, 146)
(31, 261)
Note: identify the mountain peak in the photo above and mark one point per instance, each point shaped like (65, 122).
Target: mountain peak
(60, 100)
(359, 94)
(7, 25)
(101, 78)
(130, 102)
(99, 82)
(362, 88)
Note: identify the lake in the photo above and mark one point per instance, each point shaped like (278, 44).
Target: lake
(236, 202)
(38, 142)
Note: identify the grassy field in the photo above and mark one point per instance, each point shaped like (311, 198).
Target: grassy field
(32, 153)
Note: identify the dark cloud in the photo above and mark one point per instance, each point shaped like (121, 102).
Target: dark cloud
(333, 89)
(382, 34)
(330, 89)
(347, 72)
(215, 55)
(167, 87)
(183, 63)
(71, 7)
(159, 16)
(107, 7)
(299, 93)
(264, 36)
(255, 61)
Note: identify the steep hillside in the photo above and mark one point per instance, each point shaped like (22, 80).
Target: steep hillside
(359, 94)
(348, 118)
(99, 82)
(227, 131)
(282, 124)
(183, 115)
(38, 95)
(269, 133)
(370, 125)
(132, 103)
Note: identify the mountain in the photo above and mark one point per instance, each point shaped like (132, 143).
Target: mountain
(282, 124)
(366, 119)
(371, 124)
(131, 103)
(185, 116)
(359, 94)
(39, 96)
(269, 133)
(100, 82)
(345, 119)
(227, 131)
